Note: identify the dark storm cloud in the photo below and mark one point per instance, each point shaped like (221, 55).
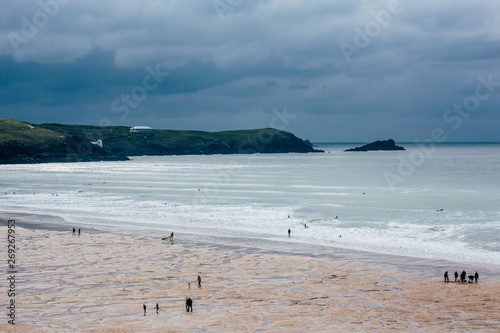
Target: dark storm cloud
(347, 70)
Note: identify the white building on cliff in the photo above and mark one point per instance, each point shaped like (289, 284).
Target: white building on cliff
(141, 129)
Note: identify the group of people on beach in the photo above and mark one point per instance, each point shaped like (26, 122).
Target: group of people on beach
(189, 306)
(157, 307)
(189, 301)
(463, 277)
(74, 232)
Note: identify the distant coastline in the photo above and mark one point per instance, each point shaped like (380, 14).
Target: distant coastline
(22, 142)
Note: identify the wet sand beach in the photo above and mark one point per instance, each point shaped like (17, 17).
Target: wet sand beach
(98, 282)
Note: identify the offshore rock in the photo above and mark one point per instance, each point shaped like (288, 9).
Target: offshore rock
(378, 145)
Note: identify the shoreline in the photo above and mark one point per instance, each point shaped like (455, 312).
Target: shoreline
(428, 268)
(99, 281)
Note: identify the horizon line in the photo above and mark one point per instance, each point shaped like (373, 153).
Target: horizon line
(412, 143)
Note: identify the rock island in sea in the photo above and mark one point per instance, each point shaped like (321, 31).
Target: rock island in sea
(378, 145)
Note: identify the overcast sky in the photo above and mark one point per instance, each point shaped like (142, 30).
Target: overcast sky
(325, 70)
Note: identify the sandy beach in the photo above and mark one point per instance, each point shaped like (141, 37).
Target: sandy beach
(99, 281)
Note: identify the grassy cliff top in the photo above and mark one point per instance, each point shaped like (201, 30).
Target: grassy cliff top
(22, 142)
(119, 138)
(13, 130)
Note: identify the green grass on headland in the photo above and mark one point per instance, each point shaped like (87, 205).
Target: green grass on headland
(22, 142)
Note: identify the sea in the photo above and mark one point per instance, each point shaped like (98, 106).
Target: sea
(429, 201)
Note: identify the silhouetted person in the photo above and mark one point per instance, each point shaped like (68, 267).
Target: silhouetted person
(144, 307)
(199, 281)
(78, 232)
(74, 231)
(289, 232)
(463, 276)
(189, 304)
(456, 276)
(157, 308)
(476, 277)
(446, 279)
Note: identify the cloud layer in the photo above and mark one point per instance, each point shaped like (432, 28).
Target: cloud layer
(347, 70)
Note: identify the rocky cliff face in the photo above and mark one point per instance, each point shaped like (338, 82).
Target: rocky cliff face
(68, 150)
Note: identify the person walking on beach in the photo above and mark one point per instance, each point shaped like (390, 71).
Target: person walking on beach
(289, 232)
(189, 304)
(476, 277)
(456, 276)
(78, 232)
(157, 308)
(463, 276)
(144, 307)
(199, 281)
(446, 279)
(74, 231)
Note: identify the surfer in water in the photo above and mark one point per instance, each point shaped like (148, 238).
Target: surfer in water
(172, 235)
